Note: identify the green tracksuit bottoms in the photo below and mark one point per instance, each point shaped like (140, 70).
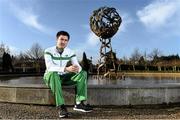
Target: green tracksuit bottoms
(55, 82)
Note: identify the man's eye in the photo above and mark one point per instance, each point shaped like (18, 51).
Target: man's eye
(64, 39)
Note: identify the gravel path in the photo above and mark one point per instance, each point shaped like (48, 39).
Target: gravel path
(23, 111)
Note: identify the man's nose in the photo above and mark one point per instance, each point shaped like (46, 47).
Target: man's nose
(63, 41)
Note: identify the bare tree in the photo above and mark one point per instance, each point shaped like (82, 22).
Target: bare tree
(35, 52)
(22, 57)
(4, 48)
(155, 53)
(146, 61)
(135, 57)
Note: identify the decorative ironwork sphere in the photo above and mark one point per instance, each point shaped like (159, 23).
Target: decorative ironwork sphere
(105, 22)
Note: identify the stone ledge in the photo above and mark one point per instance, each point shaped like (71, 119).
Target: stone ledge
(98, 94)
(110, 86)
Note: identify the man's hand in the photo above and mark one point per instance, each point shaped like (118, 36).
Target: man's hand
(72, 68)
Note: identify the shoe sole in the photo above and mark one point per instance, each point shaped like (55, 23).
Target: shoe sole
(63, 116)
(81, 110)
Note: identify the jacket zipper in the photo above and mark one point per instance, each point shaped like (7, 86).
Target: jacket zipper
(60, 61)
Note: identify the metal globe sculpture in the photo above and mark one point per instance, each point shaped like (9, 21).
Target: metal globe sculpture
(105, 22)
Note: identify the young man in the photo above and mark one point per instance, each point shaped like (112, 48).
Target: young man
(57, 73)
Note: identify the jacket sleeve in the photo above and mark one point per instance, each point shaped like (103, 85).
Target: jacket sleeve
(75, 61)
(50, 65)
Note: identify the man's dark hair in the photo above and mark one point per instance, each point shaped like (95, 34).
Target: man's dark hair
(63, 33)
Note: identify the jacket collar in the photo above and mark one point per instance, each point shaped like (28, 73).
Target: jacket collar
(64, 51)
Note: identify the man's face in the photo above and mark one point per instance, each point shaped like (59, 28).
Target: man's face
(62, 41)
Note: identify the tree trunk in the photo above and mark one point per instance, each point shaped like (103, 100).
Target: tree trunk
(133, 67)
(159, 68)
